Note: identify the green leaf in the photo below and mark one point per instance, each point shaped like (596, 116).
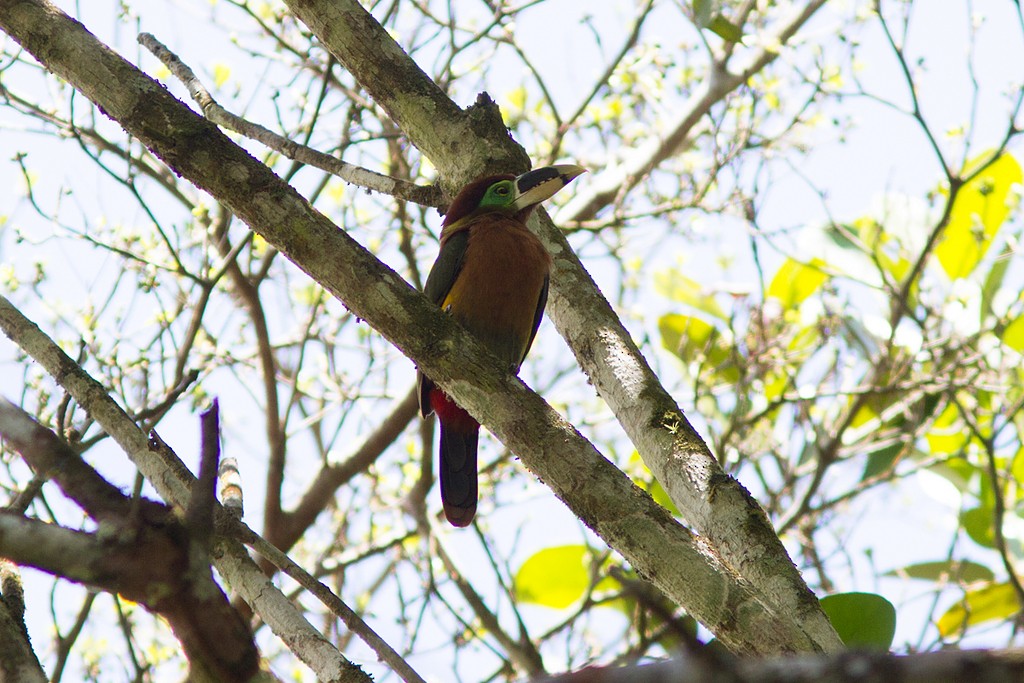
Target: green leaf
(957, 471)
(726, 30)
(995, 601)
(1013, 335)
(795, 281)
(685, 335)
(840, 234)
(960, 571)
(554, 577)
(862, 620)
(702, 12)
(979, 209)
(994, 280)
(847, 252)
(881, 460)
(947, 435)
(693, 339)
(978, 523)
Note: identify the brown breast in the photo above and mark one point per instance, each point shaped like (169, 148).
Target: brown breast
(496, 293)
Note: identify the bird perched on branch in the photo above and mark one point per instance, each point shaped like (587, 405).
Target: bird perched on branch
(492, 275)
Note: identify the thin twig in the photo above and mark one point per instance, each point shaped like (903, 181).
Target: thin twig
(350, 173)
(335, 604)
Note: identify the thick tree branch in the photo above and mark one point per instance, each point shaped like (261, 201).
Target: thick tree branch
(337, 607)
(147, 565)
(143, 553)
(469, 141)
(850, 667)
(18, 661)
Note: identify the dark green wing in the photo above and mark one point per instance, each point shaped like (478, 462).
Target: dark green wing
(439, 282)
(542, 301)
(447, 266)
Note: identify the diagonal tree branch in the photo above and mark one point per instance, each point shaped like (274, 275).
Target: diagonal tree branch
(334, 475)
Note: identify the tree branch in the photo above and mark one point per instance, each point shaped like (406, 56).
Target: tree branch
(361, 177)
(148, 557)
(18, 661)
(852, 667)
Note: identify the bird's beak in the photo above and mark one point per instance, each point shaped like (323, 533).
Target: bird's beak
(535, 186)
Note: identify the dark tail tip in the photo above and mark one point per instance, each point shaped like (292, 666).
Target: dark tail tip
(458, 474)
(459, 517)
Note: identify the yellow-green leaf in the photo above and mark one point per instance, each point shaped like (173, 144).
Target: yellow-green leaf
(1017, 466)
(796, 281)
(1013, 335)
(221, 74)
(948, 435)
(686, 290)
(775, 384)
(866, 413)
(995, 601)
(517, 97)
(660, 496)
(979, 209)
(554, 577)
(806, 339)
(685, 335)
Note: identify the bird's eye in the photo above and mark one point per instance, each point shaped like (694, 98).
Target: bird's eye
(501, 189)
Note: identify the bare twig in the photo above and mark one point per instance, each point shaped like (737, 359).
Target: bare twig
(327, 597)
(377, 182)
(331, 476)
(199, 514)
